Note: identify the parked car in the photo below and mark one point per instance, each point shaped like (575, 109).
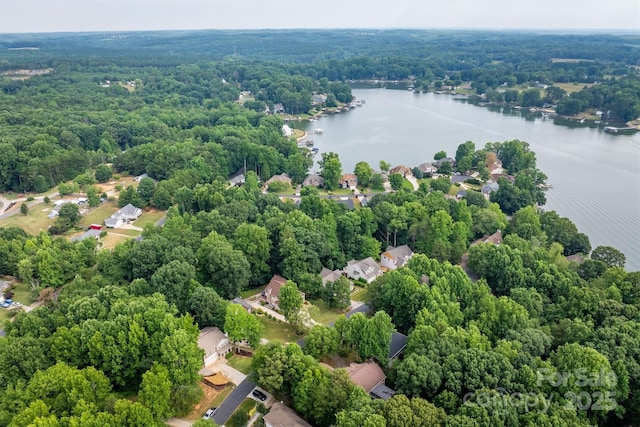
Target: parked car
(259, 395)
(209, 414)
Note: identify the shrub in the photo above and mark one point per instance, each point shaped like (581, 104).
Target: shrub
(228, 355)
(277, 187)
(30, 199)
(118, 187)
(473, 181)
(46, 200)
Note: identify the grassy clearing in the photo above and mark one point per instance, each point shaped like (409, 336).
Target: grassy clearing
(278, 331)
(98, 214)
(111, 240)
(152, 216)
(322, 313)
(251, 292)
(337, 192)
(127, 232)
(572, 87)
(34, 222)
(22, 293)
(241, 363)
(360, 294)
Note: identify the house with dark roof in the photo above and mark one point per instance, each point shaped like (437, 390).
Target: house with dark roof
(283, 177)
(427, 168)
(366, 269)
(248, 307)
(283, 416)
(439, 162)
(332, 276)
(86, 235)
(347, 201)
(397, 344)
(394, 258)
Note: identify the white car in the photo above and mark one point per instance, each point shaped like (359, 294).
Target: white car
(209, 414)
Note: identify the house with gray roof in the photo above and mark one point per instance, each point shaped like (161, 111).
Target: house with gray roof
(366, 269)
(489, 188)
(127, 214)
(283, 416)
(313, 180)
(394, 258)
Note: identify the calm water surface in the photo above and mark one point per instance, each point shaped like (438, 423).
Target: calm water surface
(595, 175)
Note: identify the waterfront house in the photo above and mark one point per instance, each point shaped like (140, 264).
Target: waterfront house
(348, 180)
(402, 170)
(313, 180)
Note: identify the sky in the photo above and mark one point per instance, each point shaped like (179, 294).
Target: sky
(24, 16)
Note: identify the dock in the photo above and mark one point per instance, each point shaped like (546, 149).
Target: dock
(613, 129)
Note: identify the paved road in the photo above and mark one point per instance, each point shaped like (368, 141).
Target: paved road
(231, 403)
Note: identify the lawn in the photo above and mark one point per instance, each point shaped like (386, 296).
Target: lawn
(241, 363)
(407, 185)
(127, 232)
(152, 216)
(278, 331)
(360, 294)
(322, 313)
(251, 292)
(98, 214)
(22, 293)
(34, 222)
(111, 240)
(245, 407)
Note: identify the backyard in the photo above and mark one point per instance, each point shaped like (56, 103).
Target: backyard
(212, 398)
(322, 313)
(241, 363)
(278, 331)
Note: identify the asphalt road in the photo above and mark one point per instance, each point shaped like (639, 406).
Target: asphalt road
(231, 403)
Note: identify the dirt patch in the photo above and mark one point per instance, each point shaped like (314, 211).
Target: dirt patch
(209, 397)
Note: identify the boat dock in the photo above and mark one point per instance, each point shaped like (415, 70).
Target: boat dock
(613, 129)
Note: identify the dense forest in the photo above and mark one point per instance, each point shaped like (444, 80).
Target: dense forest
(513, 334)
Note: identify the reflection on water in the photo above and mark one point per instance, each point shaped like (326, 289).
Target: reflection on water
(595, 175)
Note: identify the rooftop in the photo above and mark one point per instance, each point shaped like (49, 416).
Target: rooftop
(367, 375)
(283, 416)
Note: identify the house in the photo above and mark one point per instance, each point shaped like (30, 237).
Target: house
(347, 201)
(439, 162)
(402, 170)
(248, 307)
(313, 180)
(363, 200)
(366, 269)
(397, 345)
(394, 258)
(427, 168)
(460, 194)
(92, 232)
(278, 108)
(283, 177)
(331, 276)
(238, 177)
(214, 342)
(457, 179)
(141, 177)
(128, 213)
(287, 131)
(348, 180)
(272, 291)
(318, 99)
(495, 238)
(371, 378)
(489, 188)
(283, 416)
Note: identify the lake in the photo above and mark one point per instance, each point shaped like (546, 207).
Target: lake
(595, 175)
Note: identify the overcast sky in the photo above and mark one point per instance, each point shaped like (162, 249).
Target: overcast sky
(116, 15)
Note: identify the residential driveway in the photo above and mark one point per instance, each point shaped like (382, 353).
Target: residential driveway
(412, 179)
(233, 374)
(176, 422)
(231, 403)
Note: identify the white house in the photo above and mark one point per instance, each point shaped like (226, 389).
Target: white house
(214, 343)
(393, 258)
(287, 131)
(366, 269)
(127, 214)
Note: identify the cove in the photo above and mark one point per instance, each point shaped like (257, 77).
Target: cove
(595, 175)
